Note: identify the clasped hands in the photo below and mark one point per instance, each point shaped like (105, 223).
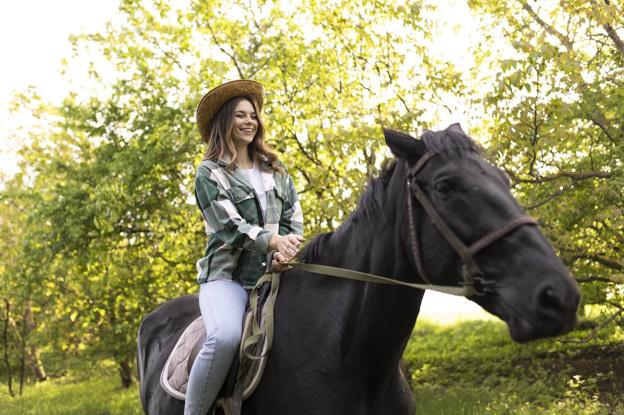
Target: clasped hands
(285, 247)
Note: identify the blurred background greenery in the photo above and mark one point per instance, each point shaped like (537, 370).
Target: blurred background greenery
(99, 224)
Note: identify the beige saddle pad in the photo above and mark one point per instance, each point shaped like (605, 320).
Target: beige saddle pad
(175, 373)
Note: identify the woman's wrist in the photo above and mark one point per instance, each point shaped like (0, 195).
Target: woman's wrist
(273, 242)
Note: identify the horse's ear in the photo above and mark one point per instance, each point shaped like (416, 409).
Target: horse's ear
(403, 145)
(456, 127)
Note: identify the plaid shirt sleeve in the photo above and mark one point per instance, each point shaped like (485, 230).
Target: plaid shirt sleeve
(291, 220)
(222, 218)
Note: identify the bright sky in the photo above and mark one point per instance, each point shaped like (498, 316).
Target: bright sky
(34, 37)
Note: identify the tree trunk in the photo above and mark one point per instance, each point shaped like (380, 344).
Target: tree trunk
(34, 359)
(5, 342)
(22, 370)
(20, 341)
(125, 370)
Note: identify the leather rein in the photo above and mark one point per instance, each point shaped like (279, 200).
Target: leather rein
(474, 282)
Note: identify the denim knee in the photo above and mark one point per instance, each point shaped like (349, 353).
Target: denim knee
(227, 339)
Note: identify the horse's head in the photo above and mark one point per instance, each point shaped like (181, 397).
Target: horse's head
(480, 230)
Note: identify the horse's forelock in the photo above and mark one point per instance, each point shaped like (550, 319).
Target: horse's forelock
(450, 142)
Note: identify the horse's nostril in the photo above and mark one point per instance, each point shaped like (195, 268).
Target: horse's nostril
(549, 300)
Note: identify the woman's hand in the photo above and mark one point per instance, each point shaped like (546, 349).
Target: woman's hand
(287, 245)
(276, 263)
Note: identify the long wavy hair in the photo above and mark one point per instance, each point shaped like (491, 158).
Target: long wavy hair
(220, 143)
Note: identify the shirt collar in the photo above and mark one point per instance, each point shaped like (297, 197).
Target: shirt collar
(224, 161)
(263, 162)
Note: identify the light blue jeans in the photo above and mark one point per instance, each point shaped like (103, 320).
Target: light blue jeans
(222, 305)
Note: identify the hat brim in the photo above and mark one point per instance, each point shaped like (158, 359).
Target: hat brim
(212, 102)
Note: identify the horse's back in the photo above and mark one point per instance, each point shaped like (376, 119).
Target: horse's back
(157, 336)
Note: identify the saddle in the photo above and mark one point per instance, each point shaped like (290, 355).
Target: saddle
(247, 367)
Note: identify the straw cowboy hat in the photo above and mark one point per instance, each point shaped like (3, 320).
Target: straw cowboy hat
(215, 98)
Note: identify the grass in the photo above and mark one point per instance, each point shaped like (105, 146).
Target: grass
(100, 394)
(474, 368)
(468, 368)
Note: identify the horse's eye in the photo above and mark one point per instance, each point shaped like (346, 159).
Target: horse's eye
(443, 186)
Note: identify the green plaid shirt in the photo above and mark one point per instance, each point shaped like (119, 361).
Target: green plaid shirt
(238, 244)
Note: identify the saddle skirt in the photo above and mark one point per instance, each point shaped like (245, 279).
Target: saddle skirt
(245, 373)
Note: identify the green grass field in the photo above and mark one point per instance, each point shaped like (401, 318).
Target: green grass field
(474, 368)
(74, 395)
(467, 368)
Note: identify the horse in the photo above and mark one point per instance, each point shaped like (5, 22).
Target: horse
(338, 343)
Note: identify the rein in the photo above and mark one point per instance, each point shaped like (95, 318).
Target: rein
(365, 277)
(473, 282)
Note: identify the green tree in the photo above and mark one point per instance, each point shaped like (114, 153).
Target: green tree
(113, 222)
(556, 113)
(20, 290)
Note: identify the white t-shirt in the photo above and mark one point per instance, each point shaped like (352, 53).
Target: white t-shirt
(255, 178)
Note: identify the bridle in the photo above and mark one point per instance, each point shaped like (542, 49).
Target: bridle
(473, 278)
(474, 283)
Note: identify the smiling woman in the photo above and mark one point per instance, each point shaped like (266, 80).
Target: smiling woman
(252, 215)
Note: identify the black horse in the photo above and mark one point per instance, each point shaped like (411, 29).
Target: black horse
(338, 343)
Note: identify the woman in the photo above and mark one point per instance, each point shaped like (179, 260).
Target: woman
(252, 216)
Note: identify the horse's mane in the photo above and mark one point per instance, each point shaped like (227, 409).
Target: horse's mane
(369, 206)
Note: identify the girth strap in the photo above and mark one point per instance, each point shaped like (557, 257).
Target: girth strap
(257, 333)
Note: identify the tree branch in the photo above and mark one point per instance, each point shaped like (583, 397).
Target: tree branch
(615, 279)
(617, 41)
(615, 233)
(302, 148)
(232, 55)
(619, 44)
(164, 258)
(549, 198)
(599, 120)
(594, 332)
(608, 262)
(576, 176)
(565, 41)
(306, 176)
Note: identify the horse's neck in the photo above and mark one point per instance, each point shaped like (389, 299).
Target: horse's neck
(385, 314)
